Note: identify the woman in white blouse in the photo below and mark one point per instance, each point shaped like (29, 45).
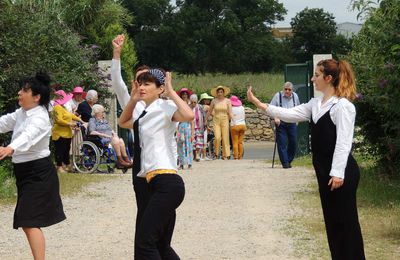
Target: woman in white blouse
(155, 159)
(38, 203)
(238, 127)
(332, 119)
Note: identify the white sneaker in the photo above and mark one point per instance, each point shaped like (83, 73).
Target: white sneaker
(208, 159)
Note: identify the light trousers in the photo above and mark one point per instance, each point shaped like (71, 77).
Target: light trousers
(237, 132)
(221, 133)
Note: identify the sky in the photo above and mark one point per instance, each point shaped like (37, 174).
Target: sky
(339, 8)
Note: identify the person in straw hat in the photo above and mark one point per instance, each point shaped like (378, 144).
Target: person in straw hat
(222, 108)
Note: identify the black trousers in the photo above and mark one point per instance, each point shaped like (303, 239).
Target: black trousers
(154, 233)
(142, 193)
(339, 208)
(62, 147)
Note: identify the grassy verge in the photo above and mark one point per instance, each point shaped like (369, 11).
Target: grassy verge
(70, 184)
(379, 213)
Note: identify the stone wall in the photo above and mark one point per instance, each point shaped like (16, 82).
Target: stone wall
(258, 126)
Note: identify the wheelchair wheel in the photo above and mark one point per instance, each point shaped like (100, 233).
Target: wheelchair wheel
(109, 158)
(86, 158)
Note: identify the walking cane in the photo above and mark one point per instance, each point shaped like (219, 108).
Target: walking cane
(273, 127)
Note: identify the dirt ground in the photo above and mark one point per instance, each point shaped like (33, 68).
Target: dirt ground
(232, 210)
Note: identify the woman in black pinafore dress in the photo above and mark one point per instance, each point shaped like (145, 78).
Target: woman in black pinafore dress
(332, 119)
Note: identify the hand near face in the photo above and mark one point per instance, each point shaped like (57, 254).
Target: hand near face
(168, 84)
(135, 94)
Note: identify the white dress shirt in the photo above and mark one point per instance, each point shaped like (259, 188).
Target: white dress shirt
(156, 134)
(118, 84)
(238, 116)
(343, 115)
(31, 133)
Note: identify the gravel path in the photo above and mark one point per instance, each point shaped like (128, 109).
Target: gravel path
(232, 210)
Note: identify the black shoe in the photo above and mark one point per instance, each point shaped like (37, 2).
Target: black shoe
(290, 165)
(286, 166)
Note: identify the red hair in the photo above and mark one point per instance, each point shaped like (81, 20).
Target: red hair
(342, 77)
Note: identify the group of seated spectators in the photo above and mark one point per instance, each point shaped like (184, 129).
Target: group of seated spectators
(78, 106)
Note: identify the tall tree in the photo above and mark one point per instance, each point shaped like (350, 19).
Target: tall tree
(314, 32)
(207, 36)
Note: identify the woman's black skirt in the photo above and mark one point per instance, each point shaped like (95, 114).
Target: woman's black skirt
(39, 202)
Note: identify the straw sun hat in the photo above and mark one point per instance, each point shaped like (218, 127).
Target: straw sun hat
(214, 90)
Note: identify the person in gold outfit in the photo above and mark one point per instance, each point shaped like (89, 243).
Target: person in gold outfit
(222, 108)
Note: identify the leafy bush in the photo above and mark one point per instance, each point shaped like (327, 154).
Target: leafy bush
(7, 180)
(376, 61)
(33, 38)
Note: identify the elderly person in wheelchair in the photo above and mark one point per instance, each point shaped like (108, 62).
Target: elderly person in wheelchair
(100, 127)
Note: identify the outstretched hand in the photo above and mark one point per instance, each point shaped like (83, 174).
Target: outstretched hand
(250, 95)
(254, 100)
(5, 151)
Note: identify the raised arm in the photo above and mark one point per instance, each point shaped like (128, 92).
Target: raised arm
(117, 83)
(291, 115)
(184, 113)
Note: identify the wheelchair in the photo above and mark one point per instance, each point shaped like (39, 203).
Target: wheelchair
(210, 151)
(92, 155)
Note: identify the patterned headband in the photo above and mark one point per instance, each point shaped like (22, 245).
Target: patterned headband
(158, 74)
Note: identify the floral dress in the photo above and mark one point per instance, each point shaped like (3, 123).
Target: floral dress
(199, 127)
(185, 147)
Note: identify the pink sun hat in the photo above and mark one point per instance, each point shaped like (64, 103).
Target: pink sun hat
(79, 90)
(235, 101)
(64, 97)
(188, 91)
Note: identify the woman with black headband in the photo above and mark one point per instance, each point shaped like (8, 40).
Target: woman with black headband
(38, 203)
(155, 159)
(332, 119)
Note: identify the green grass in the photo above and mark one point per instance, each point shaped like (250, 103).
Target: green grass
(265, 85)
(379, 212)
(302, 161)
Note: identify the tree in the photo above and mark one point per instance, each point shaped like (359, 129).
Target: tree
(206, 36)
(98, 22)
(314, 32)
(375, 58)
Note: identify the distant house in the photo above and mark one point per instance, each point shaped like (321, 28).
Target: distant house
(348, 29)
(280, 33)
